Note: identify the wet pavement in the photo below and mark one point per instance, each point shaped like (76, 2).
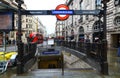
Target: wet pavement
(9, 73)
(113, 62)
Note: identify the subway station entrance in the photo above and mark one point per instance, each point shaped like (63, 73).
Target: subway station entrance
(56, 12)
(54, 58)
(50, 58)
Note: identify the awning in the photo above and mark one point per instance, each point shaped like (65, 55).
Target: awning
(60, 37)
(5, 6)
(81, 37)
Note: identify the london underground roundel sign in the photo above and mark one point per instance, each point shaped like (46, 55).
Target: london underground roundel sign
(62, 7)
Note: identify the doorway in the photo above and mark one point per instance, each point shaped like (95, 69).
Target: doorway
(115, 40)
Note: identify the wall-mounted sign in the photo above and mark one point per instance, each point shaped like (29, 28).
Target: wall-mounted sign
(51, 52)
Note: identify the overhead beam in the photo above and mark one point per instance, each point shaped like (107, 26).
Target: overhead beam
(60, 12)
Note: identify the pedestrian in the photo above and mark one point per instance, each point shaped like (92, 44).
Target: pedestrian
(87, 40)
(13, 41)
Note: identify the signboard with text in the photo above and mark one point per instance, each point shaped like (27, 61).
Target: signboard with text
(50, 41)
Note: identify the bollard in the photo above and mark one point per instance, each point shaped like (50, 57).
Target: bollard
(104, 62)
(19, 59)
(104, 67)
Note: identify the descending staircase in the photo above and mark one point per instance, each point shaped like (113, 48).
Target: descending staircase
(74, 68)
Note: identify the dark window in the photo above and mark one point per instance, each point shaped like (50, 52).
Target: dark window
(26, 20)
(26, 25)
(81, 30)
(87, 17)
(98, 26)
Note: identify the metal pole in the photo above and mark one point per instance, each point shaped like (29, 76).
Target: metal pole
(19, 42)
(104, 18)
(4, 43)
(99, 27)
(104, 63)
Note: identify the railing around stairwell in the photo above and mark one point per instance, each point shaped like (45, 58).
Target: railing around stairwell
(93, 53)
(28, 56)
(79, 46)
(92, 50)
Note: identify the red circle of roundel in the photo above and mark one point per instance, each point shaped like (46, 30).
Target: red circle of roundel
(58, 8)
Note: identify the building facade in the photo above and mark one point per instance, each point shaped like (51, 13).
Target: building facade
(59, 29)
(29, 23)
(113, 23)
(79, 27)
(41, 28)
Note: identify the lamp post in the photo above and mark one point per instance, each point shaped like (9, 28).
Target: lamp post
(104, 63)
(100, 25)
(103, 53)
(19, 42)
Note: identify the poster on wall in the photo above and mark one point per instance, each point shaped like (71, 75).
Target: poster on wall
(6, 21)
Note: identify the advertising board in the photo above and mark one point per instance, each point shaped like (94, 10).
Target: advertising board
(6, 21)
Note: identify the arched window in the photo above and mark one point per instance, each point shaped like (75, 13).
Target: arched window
(72, 32)
(98, 26)
(98, 31)
(81, 34)
(81, 30)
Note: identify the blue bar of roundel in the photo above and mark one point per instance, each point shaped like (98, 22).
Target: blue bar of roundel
(62, 12)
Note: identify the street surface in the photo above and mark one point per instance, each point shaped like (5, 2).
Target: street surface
(114, 68)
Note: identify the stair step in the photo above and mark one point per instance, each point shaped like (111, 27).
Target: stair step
(57, 73)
